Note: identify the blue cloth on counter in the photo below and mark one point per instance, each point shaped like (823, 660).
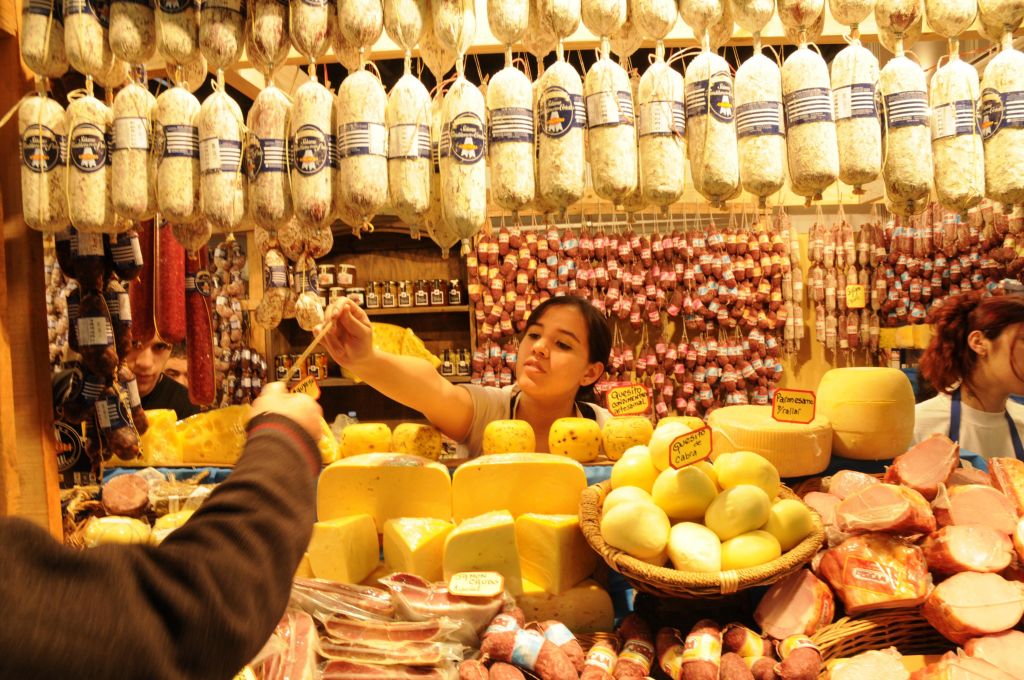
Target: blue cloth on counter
(214, 475)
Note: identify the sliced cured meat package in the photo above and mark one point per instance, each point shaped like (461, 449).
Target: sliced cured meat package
(876, 571)
(885, 508)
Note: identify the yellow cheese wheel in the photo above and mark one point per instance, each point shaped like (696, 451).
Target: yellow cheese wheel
(795, 450)
(871, 411)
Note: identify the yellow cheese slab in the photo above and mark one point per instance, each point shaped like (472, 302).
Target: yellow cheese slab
(378, 573)
(795, 449)
(871, 410)
(304, 570)
(344, 549)
(415, 545)
(485, 543)
(584, 608)
(215, 437)
(384, 486)
(553, 552)
(519, 483)
(161, 445)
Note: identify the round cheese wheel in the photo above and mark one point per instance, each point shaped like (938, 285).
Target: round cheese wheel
(871, 411)
(794, 449)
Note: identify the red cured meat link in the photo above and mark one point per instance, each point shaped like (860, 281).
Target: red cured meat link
(202, 384)
(169, 279)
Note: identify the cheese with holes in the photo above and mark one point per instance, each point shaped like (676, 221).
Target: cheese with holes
(344, 549)
(553, 552)
(584, 608)
(415, 545)
(485, 543)
(871, 411)
(519, 483)
(216, 437)
(384, 486)
(161, 445)
(794, 449)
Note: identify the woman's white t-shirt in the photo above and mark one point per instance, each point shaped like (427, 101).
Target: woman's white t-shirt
(983, 433)
(494, 403)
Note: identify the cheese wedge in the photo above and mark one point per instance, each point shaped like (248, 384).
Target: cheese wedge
(485, 543)
(304, 570)
(519, 483)
(344, 549)
(161, 445)
(215, 437)
(584, 608)
(415, 545)
(553, 552)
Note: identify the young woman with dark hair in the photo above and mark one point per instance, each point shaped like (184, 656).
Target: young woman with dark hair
(561, 355)
(976, 361)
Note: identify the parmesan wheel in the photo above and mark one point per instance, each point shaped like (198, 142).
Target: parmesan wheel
(950, 18)
(699, 15)
(223, 184)
(309, 27)
(711, 128)
(752, 15)
(759, 130)
(799, 15)
(88, 124)
(409, 165)
(899, 20)
(603, 17)
(811, 144)
(85, 39)
(177, 30)
(438, 58)
(133, 162)
(611, 130)
(360, 114)
(267, 40)
(851, 12)
(42, 38)
(956, 141)
(404, 21)
(439, 229)
(454, 23)
(858, 129)
(463, 170)
(654, 19)
(43, 134)
(1003, 126)
(309, 128)
(561, 164)
(626, 40)
(1005, 13)
(132, 30)
(662, 130)
(177, 174)
(270, 196)
(222, 32)
(508, 19)
(563, 16)
(347, 53)
(510, 139)
(907, 152)
(539, 39)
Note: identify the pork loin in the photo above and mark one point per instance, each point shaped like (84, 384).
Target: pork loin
(799, 604)
(886, 508)
(845, 483)
(970, 605)
(967, 547)
(1008, 476)
(926, 465)
(824, 504)
(1002, 650)
(976, 504)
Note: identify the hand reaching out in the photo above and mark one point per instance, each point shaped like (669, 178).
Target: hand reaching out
(301, 408)
(350, 341)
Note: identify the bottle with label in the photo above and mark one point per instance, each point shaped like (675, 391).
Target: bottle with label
(372, 295)
(405, 294)
(463, 367)
(447, 368)
(454, 292)
(438, 293)
(389, 295)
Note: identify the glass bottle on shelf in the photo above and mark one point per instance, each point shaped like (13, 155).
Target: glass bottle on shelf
(447, 368)
(463, 366)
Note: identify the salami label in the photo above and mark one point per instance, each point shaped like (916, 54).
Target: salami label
(46, 8)
(759, 118)
(559, 634)
(906, 109)
(810, 105)
(409, 140)
(126, 251)
(70, 446)
(333, 154)
(199, 282)
(526, 649)
(94, 331)
(180, 141)
(88, 147)
(560, 111)
(41, 148)
(1000, 110)
(662, 118)
(131, 133)
(276, 276)
(309, 150)
(265, 155)
(92, 387)
(97, 8)
(315, 3)
(87, 244)
(174, 6)
(362, 139)
(466, 137)
(855, 101)
(219, 155)
(714, 94)
(124, 306)
(609, 108)
(954, 119)
(132, 388)
(111, 413)
(511, 124)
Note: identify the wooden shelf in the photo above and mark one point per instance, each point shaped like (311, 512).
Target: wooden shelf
(403, 311)
(345, 382)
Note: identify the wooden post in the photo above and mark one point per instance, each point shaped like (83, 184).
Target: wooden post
(28, 463)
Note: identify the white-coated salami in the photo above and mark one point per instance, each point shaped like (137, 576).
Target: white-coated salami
(661, 126)
(86, 39)
(88, 125)
(309, 27)
(950, 18)
(700, 15)
(956, 139)
(348, 53)
(858, 129)
(907, 149)
(899, 23)
(190, 76)
(752, 15)
(404, 21)
(510, 137)
(222, 32)
(603, 17)
(438, 58)
(310, 126)
(267, 40)
(611, 130)
(454, 23)
(266, 157)
(812, 149)
(760, 131)
(309, 311)
(438, 228)
(177, 30)
(362, 139)
(626, 40)
(133, 157)
(1005, 13)
(223, 182)
(508, 19)
(409, 160)
(43, 139)
(711, 128)
(42, 38)
(562, 16)
(1002, 125)
(539, 39)
(797, 15)
(654, 19)
(561, 164)
(720, 32)
(463, 165)
(275, 289)
(851, 12)
(540, 204)
(132, 30)
(361, 21)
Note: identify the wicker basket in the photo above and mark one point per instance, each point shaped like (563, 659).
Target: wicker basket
(665, 582)
(904, 629)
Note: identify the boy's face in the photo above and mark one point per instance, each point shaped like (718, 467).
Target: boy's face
(147, 361)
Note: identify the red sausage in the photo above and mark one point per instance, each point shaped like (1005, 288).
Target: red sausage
(563, 638)
(637, 649)
(169, 285)
(703, 651)
(202, 384)
(505, 671)
(140, 291)
(530, 651)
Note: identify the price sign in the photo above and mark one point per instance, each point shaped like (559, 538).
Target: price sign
(793, 406)
(628, 400)
(690, 448)
(476, 584)
(307, 386)
(856, 296)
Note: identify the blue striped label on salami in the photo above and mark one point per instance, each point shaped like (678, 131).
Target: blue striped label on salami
(309, 150)
(125, 250)
(856, 100)
(92, 386)
(219, 155)
(315, 3)
(96, 8)
(181, 141)
(275, 276)
(94, 331)
(661, 118)
(1000, 110)
(810, 105)
(714, 95)
(42, 149)
(906, 109)
(409, 140)
(333, 154)
(174, 6)
(511, 124)
(112, 413)
(46, 8)
(605, 109)
(466, 138)
(131, 133)
(88, 147)
(755, 119)
(265, 155)
(560, 111)
(362, 139)
(954, 119)
(231, 5)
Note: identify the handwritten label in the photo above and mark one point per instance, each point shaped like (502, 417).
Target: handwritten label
(307, 386)
(856, 296)
(476, 584)
(690, 448)
(628, 400)
(793, 406)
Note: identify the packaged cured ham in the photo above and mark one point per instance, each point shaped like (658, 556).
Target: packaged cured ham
(309, 26)
(711, 128)
(1001, 650)
(86, 39)
(858, 129)
(662, 133)
(42, 38)
(222, 32)
(44, 146)
(310, 117)
(270, 196)
(177, 171)
(267, 40)
(1002, 125)
(360, 117)
(88, 184)
(611, 129)
(223, 182)
(133, 163)
(812, 147)
(561, 117)
(759, 129)
(976, 504)
(969, 547)
(510, 139)
(926, 465)
(177, 30)
(881, 559)
(969, 605)
(132, 30)
(907, 155)
(416, 599)
(463, 169)
(408, 118)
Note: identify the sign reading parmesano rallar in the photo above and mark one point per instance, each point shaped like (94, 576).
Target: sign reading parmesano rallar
(793, 406)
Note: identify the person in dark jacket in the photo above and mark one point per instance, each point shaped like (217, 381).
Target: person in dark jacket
(148, 361)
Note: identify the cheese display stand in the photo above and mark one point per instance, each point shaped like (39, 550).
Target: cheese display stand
(764, 200)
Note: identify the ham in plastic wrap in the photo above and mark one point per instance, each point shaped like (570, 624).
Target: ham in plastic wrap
(876, 571)
(886, 508)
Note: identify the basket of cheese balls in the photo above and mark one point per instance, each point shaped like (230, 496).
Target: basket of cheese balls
(700, 530)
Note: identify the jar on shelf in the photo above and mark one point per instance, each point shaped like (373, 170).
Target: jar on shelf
(389, 294)
(373, 295)
(327, 280)
(282, 364)
(421, 293)
(438, 293)
(454, 292)
(336, 293)
(356, 295)
(346, 275)
(302, 372)
(405, 293)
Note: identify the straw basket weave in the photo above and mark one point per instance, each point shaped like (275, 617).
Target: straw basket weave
(665, 582)
(904, 629)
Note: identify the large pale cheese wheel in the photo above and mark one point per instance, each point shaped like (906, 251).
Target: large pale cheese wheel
(795, 450)
(871, 411)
